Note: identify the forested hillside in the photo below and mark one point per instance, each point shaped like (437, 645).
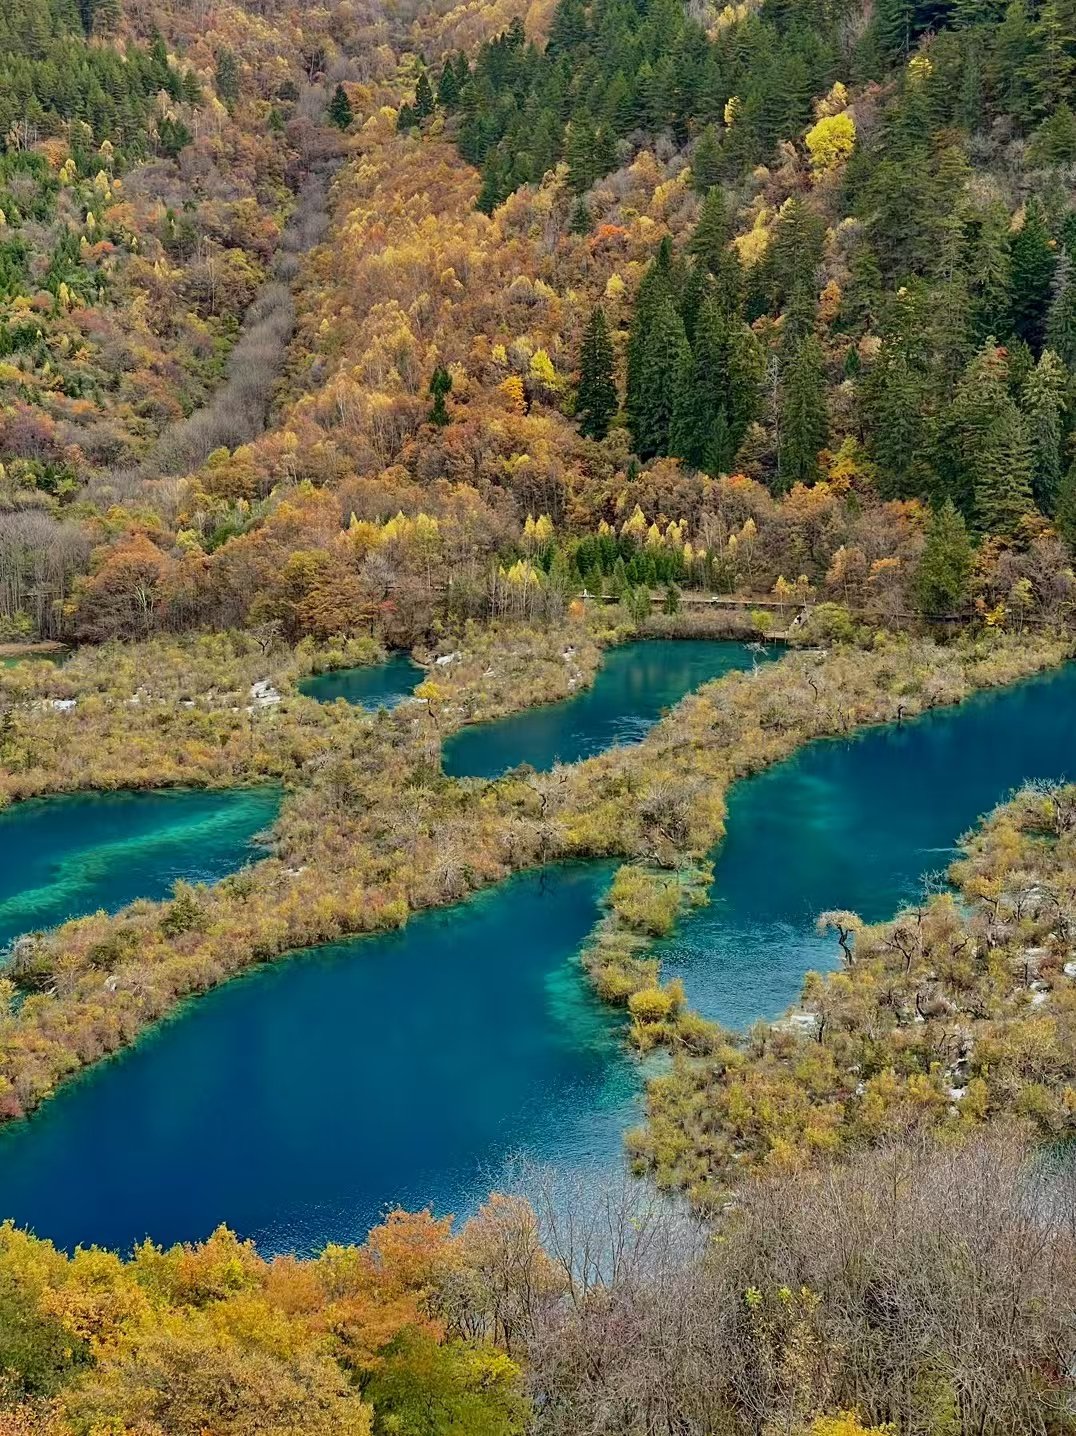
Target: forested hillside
(152, 180)
(773, 300)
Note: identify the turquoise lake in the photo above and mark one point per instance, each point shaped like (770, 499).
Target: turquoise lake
(61, 857)
(857, 824)
(379, 685)
(635, 683)
(298, 1102)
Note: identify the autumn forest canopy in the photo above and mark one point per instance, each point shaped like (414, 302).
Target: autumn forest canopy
(763, 299)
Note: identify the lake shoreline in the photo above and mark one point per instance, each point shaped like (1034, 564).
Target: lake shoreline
(543, 818)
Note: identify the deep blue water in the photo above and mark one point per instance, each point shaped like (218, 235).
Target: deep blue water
(634, 684)
(378, 685)
(857, 823)
(64, 856)
(298, 1101)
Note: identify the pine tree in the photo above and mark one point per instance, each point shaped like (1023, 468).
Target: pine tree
(802, 416)
(596, 403)
(663, 382)
(941, 579)
(340, 112)
(1032, 262)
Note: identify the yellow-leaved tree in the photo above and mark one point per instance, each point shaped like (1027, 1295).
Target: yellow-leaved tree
(831, 141)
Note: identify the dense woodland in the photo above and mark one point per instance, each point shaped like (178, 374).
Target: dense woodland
(740, 301)
(331, 327)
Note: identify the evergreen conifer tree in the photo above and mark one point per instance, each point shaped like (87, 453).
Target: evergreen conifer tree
(664, 376)
(803, 422)
(706, 161)
(1031, 268)
(1065, 513)
(440, 388)
(596, 403)
(227, 79)
(581, 220)
(1061, 322)
(991, 444)
(711, 235)
(941, 580)
(1044, 403)
(448, 86)
(424, 102)
(340, 112)
(655, 288)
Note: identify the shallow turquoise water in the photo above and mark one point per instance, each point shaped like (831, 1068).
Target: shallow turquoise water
(64, 856)
(379, 685)
(635, 683)
(856, 824)
(295, 1103)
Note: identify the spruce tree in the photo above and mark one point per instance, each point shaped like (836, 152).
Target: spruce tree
(941, 579)
(1032, 262)
(227, 79)
(448, 87)
(1003, 480)
(711, 235)
(581, 219)
(579, 151)
(1061, 321)
(1065, 513)
(424, 102)
(1044, 404)
(707, 394)
(895, 404)
(657, 286)
(991, 444)
(340, 112)
(663, 382)
(596, 403)
(706, 161)
(440, 388)
(802, 412)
